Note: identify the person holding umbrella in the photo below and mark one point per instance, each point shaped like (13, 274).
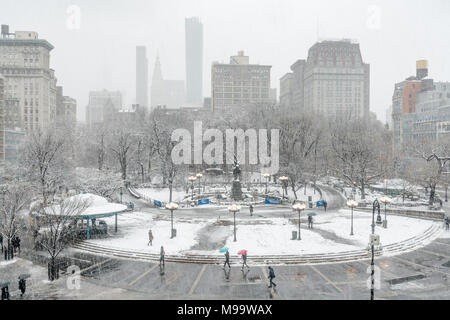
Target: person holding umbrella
(271, 276)
(244, 259)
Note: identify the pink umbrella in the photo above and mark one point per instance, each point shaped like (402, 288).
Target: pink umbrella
(241, 252)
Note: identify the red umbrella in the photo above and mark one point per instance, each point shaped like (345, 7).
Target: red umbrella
(241, 252)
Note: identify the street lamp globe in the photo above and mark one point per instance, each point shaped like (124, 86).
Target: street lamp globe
(385, 200)
(171, 206)
(199, 175)
(192, 178)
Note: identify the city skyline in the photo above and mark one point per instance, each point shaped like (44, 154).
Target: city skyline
(273, 32)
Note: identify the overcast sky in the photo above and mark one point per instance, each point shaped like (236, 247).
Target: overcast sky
(100, 54)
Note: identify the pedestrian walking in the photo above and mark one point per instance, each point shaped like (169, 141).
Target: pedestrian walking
(310, 222)
(5, 293)
(325, 203)
(150, 237)
(22, 286)
(161, 257)
(18, 244)
(271, 277)
(447, 222)
(251, 210)
(227, 260)
(1, 241)
(244, 261)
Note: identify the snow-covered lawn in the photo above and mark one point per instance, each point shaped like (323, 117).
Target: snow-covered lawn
(260, 236)
(162, 194)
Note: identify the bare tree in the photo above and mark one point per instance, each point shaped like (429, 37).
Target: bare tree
(58, 226)
(13, 200)
(361, 149)
(45, 158)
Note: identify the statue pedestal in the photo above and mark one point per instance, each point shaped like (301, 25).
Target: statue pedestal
(236, 190)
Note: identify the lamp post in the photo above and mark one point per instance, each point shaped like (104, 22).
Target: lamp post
(354, 189)
(376, 205)
(266, 175)
(171, 206)
(199, 176)
(385, 187)
(352, 204)
(385, 200)
(234, 208)
(299, 207)
(283, 180)
(192, 179)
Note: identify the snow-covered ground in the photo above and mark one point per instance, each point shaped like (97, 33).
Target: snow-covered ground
(260, 236)
(163, 194)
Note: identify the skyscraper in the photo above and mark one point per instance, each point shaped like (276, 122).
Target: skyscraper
(194, 60)
(141, 76)
(333, 80)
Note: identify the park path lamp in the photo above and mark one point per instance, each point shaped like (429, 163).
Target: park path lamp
(352, 204)
(199, 176)
(171, 206)
(354, 189)
(284, 180)
(299, 207)
(385, 187)
(385, 200)
(373, 240)
(192, 179)
(234, 208)
(267, 176)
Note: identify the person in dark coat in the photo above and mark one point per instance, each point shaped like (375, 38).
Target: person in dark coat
(150, 237)
(309, 222)
(22, 286)
(325, 204)
(447, 222)
(161, 257)
(1, 241)
(5, 293)
(251, 210)
(271, 276)
(227, 260)
(244, 261)
(18, 243)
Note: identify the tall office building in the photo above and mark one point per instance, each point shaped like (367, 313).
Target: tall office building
(30, 83)
(141, 76)
(239, 83)
(333, 80)
(100, 103)
(194, 61)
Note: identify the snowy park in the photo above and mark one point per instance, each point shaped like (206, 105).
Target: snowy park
(260, 236)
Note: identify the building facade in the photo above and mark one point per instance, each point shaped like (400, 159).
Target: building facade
(98, 100)
(66, 109)
(194, 61)
(141, 76)
(420, 109)
(239, 83)
(30, 83)
(333, 80)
